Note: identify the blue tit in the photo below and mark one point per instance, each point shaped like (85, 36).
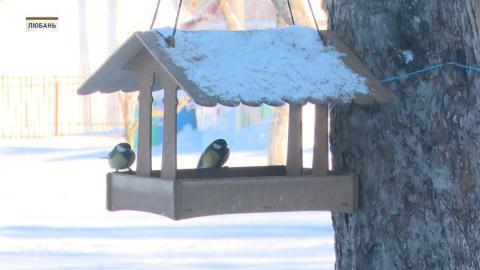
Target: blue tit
(121, 157)
(215, 155)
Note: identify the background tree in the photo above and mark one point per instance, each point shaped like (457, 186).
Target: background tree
(234, 20)
(277, 143)
(418, 158)
(233, 11)
(111, 35)
(84, 58)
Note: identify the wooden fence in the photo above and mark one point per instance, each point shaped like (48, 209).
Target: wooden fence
(40, 106)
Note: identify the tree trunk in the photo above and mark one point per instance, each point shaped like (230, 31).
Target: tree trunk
(418, 158)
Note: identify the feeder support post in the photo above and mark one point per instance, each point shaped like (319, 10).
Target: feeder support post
(169, 148)
(320, 142)
(294, 149)
(144, 154)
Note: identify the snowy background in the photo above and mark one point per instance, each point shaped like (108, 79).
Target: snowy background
(53, 216)
(52, 190)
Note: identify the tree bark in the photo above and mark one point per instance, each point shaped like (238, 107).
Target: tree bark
(418, 158)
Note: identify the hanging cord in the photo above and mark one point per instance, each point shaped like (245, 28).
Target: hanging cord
(155, 14)
(316, 24)
(291, 13)
(171, 39)
(430, 68)
(176, 18)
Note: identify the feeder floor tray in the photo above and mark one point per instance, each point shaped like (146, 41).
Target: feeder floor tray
(205, 192)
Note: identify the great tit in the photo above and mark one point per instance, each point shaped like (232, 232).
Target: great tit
(215, 155)
(121, 157)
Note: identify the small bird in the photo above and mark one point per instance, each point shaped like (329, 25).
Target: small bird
(121, 157)
(215, 155)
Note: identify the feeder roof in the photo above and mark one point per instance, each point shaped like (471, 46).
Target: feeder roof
(269, 66)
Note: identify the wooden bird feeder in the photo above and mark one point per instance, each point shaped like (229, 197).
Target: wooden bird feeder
(229, 68)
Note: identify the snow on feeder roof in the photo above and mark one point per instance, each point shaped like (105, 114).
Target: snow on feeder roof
(269, 66)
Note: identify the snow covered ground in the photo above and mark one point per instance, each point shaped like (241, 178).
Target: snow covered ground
(53, 216)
